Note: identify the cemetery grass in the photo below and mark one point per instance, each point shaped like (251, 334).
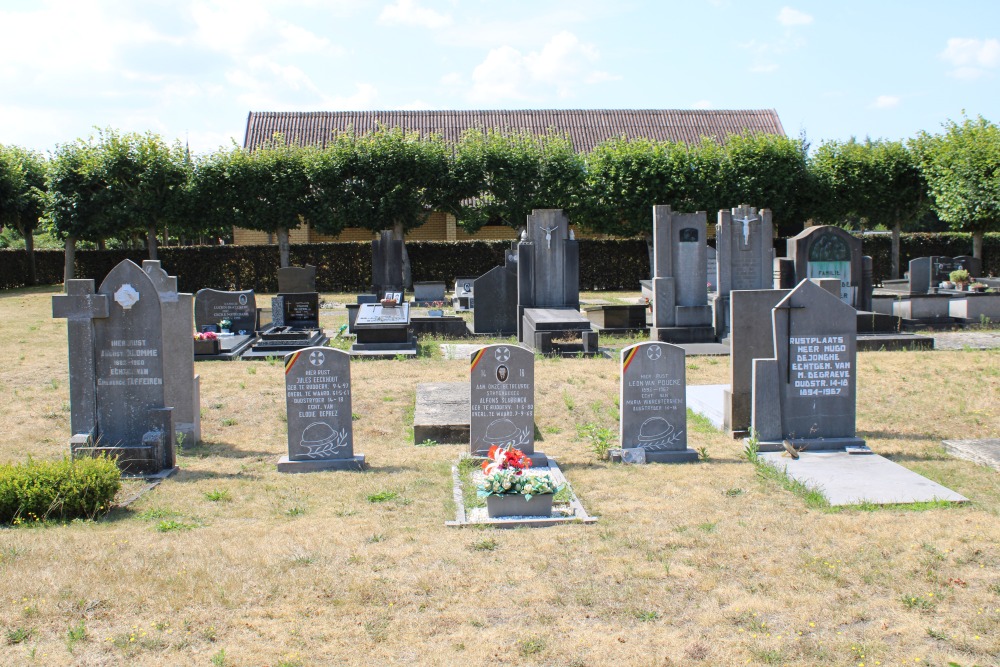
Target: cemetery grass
(707, 563)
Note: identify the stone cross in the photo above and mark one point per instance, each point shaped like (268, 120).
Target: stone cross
(80, 306)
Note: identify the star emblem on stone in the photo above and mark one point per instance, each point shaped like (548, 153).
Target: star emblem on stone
(654, 352)
(316, 358)
(503, 354)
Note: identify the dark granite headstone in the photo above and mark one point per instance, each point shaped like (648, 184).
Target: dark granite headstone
(297, 279)
(212, 306)
(806, 392)
(496, 311)
(502, 379)
(653, 403)
(300, 311)
(387, 264)
(318, 404)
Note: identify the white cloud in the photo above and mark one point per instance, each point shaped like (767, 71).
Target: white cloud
(886, 102)
(562, 64)
(764, 68)
(789, 17)
(971, 58)
(702, 104)
(407, 12)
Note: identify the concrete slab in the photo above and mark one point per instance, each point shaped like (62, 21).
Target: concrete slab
(705, 349)
(707, 400)
(984, 452)
(845, 479)
(442, 413)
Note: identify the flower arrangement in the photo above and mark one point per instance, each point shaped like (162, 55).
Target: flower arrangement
(504, 471)
(225, 324)
(207, 335)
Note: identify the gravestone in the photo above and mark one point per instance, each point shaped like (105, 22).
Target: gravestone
(296, 310)
(240, 308)
(181, 386)
(295, 279)
(117, 397)
(383, 331)
(464, 295)
(927, 273)
(653, 405)
(744, 238)
(712, 269)
(548, 278)
(387, 264)
(681, 313)
(318, 404)
(496, 312)
(806, 392)
(428, 292)
(825, 251)
(502, 407)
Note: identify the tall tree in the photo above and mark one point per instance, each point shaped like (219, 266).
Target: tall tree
(22, 196)
(506, 175)
(266, 189)
(387, 179)
(878, 181)
(146, 180)
(626, 178)
(962, 168)
(76, 202)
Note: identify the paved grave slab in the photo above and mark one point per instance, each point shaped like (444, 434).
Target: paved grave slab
(848, 479)
(442, 413)
(984, 452)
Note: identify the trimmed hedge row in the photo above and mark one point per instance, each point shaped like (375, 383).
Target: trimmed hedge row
(346, 267)
(40, 490)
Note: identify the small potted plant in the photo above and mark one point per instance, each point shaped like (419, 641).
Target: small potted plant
(224, 326)
(436, 309)
(978, 287)
(960, 277)
(510, 489)
(206, 343)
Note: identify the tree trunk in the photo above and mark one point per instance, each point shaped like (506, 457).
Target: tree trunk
(68, 272)
(896, 230)
(283, 247)
(397, 233)
(977, 244)
(29, 247)
(102, 244)
(151, 242)
(648, 236)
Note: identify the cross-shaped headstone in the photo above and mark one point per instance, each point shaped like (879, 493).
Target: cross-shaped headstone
(81, 306)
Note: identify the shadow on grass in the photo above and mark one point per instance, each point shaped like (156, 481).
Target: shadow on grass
(224, 450)
(184, 475)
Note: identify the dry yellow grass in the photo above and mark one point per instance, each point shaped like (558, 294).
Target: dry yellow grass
(702, 564)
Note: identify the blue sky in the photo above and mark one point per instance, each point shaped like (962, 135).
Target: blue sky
(193, 69)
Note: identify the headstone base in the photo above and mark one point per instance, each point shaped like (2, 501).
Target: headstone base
(677, 456)
(683, 334)
(810, 444)
(408, 349)
(693, 316)
(445, 327)
(355, 463)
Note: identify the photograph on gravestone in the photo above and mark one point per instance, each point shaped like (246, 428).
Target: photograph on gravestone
(318, 408)
(502, 410)
(653, 407)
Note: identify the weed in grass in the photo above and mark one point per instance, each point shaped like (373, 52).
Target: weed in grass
(768, 656)
(699, 423)
(919, 602)
(376, 538)
(531, 646)
(355, 416)
(169, 525)
(601, 439)
(157, 513)
(937, 634)
(19, 635)
(703, 454)
(76, 633)
(428, 443)
(229, 421)
(251, 370)
(382, 496)
(752, 449)
(569, 401)
(732, 493)
(218, 496)
(708, 527)
(388, 399)
(295, 510)
(646, 616)
(243, 385)
(552, 430)
(485, 544)
(219, 659)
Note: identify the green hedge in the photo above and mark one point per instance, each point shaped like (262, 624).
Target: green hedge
(39, 490)
(346, 267)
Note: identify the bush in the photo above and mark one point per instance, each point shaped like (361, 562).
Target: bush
(39, 490)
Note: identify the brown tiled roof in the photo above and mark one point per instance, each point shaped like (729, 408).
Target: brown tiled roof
(586, 127)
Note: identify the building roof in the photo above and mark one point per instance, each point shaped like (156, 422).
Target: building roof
(585, 127)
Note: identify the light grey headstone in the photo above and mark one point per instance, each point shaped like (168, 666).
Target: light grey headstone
(129, 347)
(81, 306)
(712, 269)
(428, 291)
(212, 306)
(920, 275)
(297, 279)
(502, 380)
(653, 406)
(318, 404)
(181, 385)
(680, 291)
(744, 239)
(751, 337)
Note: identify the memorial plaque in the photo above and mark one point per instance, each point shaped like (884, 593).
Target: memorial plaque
(212, 306)
(653, 403)
(318, 404)
(129, 360)
(502, 381)
(300, 311)
(375, 314)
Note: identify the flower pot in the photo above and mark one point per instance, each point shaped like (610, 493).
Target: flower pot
(210, 346)
(516, 505)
